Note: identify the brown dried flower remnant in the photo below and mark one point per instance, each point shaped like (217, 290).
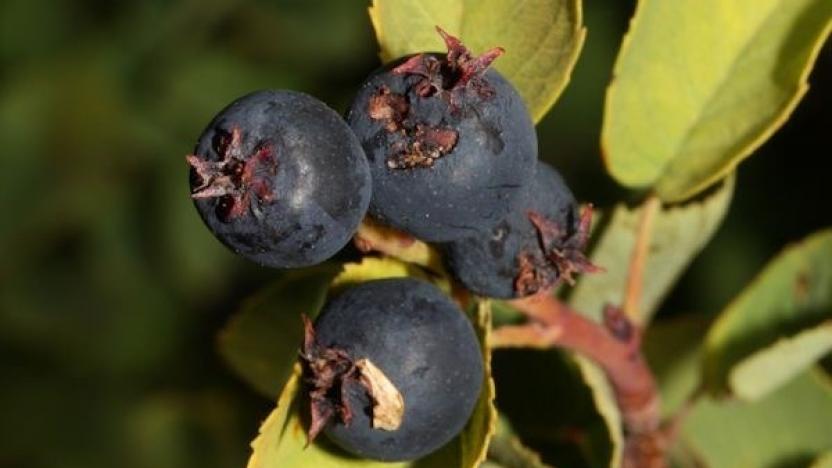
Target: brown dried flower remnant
(388, 107)
(449, 78)
(331, 370)
(425, 145)
(459, 69)
(235, 178)
(421, 145)
(530, 277)
(563, 253)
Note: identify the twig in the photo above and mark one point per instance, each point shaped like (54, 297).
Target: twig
(531, 335)
(615, 346)
(635, 276)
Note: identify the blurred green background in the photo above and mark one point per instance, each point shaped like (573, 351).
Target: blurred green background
(111, 290)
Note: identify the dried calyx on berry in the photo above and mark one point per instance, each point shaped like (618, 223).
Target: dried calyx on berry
(236, 176)
(449, 76)
(558, 256)
(279, 178)
(539, 244)
(332, 371)
(393, 369)
(449, 141)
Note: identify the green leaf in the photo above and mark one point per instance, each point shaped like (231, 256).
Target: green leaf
(262, 339)
(823, 461)
(700, 84)
(604, 398)
(787, 428)
(679, 233)
(561, 409)
(788, 305)
(507, 450)
(673, 350)
(372, 268)
(765, 370)
(542, 38)
(282, 437)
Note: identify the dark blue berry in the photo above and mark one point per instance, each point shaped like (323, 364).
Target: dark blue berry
(537, 244)
(280, 179)
(421, 341)
(449, 141)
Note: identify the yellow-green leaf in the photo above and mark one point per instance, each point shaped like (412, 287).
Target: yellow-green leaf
(373, 268)
(786, 428)
(765, 370)
(262, 339)
(281, 442)
(673, 349)
(605, 404)
(506, 450)
(542, 38)
(823, 461)
(560, 396)
(678, 234)
(393, 243)
(700, 84)
(792, 294)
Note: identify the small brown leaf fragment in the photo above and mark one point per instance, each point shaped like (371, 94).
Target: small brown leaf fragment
(388, 403)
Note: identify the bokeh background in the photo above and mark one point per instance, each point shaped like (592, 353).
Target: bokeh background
(111, 290)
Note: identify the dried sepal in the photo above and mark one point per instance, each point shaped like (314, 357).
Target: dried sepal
(451, 76)
(236, 178)
(330, 373)
(562, 252)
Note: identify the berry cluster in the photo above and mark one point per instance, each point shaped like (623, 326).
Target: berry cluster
(439, 146)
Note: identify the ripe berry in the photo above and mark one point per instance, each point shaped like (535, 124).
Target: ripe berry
(280, 179)
(408, 334)
(449, 141)
(537, 244)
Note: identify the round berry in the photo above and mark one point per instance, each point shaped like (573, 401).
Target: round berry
(395, 369)
(449, 141)
(537, 244)
(280, 179)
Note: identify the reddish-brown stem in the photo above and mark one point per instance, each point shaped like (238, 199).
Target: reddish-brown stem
(615, 347)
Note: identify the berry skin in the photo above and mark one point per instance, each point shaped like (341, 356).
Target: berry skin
(424, 345)
(449, 141)
(280, 179)
(536, 245)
